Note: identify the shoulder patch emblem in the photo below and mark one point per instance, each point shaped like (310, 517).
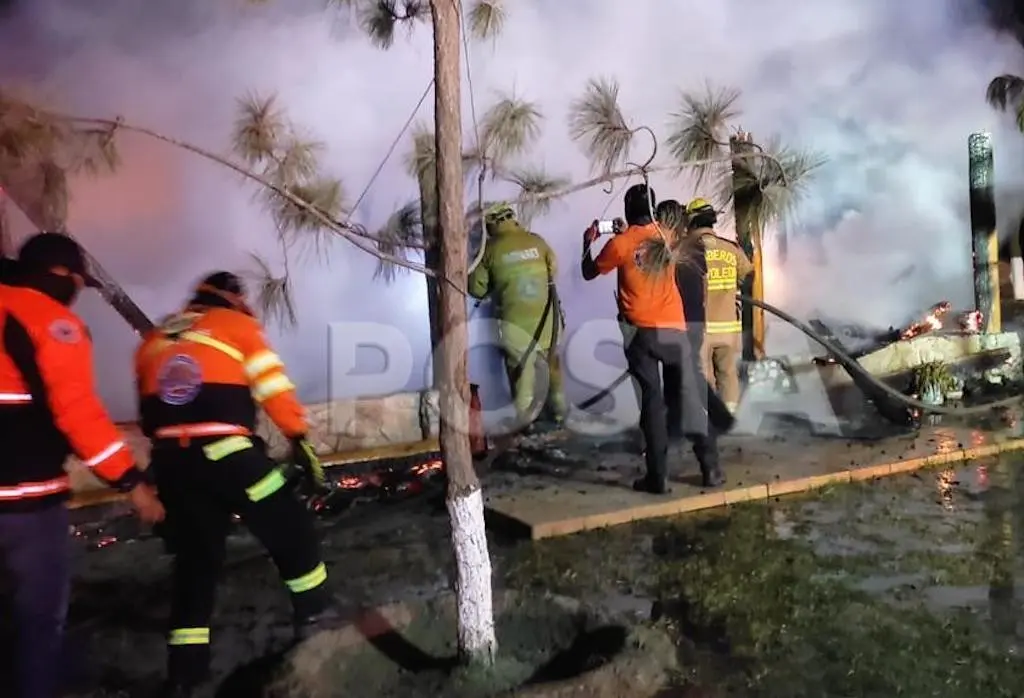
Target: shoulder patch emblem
(180, 380)
(65, 331)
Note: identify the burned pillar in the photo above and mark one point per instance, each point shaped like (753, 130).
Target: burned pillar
(745, 183)
(984, 240)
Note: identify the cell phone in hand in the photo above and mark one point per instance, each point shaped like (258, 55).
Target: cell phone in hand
(605, 227)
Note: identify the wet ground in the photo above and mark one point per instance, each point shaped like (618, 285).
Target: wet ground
(906, 586)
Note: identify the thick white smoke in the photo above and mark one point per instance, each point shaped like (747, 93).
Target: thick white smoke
(888, 91)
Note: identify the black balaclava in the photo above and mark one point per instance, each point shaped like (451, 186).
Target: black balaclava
(638, 203)
(43, 252)
(62, 289)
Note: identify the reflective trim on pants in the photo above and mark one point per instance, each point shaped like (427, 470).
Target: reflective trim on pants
(310, 580)
(222, 448)
(729, 327)
(188, 636)
(266, 485)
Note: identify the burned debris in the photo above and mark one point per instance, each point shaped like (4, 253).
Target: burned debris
(383, 481)
(933, 320)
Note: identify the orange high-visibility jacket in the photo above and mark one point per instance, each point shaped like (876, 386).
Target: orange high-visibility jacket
(206, 371)
(48, 404)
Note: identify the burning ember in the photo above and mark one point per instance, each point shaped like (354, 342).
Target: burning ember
(380, 481)
(931, 322)
(386, 480)
(970, 322)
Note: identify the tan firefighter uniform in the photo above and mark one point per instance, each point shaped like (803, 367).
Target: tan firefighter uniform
(727, 265)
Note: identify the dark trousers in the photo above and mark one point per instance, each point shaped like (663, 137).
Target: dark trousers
(673, 379)
(200, 494)
(649, 350)
(35, 565)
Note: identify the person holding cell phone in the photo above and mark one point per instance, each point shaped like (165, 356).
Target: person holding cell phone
(649, 301)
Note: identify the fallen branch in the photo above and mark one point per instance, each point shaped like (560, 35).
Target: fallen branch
(354, 233)
(351, 232)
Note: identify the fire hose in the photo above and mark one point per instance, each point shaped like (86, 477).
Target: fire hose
(890, 402)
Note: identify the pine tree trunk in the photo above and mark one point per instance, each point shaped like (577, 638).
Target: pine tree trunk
(118, 298)
(432, 259)
(477, 643)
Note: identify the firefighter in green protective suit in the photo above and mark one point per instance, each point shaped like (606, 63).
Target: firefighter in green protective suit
(518, 269)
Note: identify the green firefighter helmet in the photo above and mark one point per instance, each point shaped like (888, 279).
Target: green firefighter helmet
(497, 213)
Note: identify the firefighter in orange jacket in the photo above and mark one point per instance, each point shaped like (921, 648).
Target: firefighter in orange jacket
(202, 376)
(49, 409)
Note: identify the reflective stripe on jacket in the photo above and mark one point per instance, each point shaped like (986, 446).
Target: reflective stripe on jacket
(213, 365)
(49, 407)
(727, 265)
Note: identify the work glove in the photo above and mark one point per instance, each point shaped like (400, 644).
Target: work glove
(307, 464)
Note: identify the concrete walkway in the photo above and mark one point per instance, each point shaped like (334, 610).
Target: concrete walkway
(563, 484)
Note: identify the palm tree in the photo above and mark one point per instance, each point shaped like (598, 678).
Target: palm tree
(1006, 93)
(760, 191)
(762, 185)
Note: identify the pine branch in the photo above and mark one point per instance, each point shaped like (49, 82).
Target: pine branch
(597, 121)
(486, 19)
(354, 233)
(380, 19)
(534, 181)
(274, 299)
(700, 128)
(401, 232)
(507, 128)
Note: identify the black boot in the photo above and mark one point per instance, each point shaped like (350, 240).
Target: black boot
(331, 618)
(652, 486)
(706, 450)
(711, 477)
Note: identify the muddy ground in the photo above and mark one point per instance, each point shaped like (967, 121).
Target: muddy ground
(899, 587)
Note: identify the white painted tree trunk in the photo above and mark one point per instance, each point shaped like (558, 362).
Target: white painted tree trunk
(475, 611)
(472, 576)
(1017, 277)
